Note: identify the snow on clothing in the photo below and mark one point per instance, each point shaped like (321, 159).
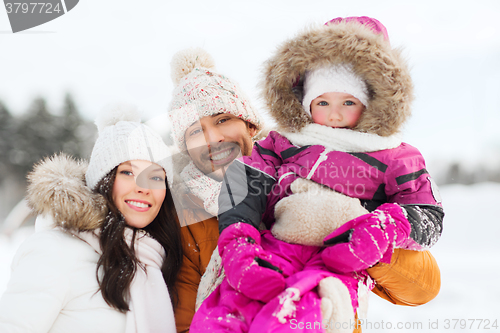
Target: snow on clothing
(396, 175)
(362, 43)
(191, 179)
(412, 278)
(53, 286)
(384, 174)
(349, 173)
(303, 269)
(373, 174)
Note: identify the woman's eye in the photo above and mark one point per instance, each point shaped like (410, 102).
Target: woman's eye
(158, 179)
(323, 103)
(222, 120)
(194, 132)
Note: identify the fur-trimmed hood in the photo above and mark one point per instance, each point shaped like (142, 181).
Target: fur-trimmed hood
(372, 58)
(57, 187)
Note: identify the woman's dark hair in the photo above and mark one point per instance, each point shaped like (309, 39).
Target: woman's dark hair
(118, 261)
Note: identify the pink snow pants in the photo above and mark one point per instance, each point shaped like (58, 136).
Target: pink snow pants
(227, 310)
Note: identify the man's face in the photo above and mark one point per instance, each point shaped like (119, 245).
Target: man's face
(215, 141)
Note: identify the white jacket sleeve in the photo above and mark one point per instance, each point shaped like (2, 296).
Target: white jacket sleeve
(38, 286)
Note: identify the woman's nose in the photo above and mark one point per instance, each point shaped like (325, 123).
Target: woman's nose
(141, 185)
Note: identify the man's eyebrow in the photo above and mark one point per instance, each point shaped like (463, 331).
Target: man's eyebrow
(217, 114)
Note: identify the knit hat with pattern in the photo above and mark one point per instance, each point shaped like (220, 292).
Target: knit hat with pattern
(201, 92)
(123, 138)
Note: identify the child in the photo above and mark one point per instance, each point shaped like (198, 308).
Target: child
(108, 255)
(340, 95)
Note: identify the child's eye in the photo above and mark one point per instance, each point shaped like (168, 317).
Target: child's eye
(323, 103)
(126, 173)
(158, 179)
(349, 103)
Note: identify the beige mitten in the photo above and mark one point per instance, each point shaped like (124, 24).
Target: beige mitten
(336, 306)
(312, 213)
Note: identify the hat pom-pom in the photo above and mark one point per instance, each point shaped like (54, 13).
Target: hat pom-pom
(114, 113)
(184, 61)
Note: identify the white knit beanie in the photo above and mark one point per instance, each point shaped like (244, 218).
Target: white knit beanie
(334, 78)
(200, 92)
(123, 138)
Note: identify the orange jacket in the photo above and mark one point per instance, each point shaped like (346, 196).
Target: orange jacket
(199, 240)
(412, 278)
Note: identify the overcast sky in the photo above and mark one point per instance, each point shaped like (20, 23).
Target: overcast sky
(104, 51)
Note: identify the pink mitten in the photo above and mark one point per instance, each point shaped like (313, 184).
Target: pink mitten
(366, 240)
(248, 267)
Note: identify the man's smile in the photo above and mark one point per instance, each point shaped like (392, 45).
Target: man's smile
(224, 156)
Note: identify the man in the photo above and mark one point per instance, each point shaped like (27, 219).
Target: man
(213, 123)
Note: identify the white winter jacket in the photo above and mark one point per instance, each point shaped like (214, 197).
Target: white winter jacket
(53, 288)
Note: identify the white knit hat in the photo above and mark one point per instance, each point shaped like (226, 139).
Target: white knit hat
(123, 138)
(202, 92)
(334, 78)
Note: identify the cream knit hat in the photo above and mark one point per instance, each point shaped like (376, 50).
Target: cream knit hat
(123, 138)
(334, 78)
(203, 92)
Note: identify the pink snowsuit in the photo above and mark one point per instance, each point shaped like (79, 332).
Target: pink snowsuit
(392, 175)
(228, 310)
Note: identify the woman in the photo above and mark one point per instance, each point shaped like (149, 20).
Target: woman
(109, 253)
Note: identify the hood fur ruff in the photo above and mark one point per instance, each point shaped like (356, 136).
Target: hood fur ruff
(383, 69)
(57, 188)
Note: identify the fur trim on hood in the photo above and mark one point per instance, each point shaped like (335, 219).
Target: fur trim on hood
(57, 188)
(372, 58)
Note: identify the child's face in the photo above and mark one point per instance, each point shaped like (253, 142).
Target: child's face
(337, 110)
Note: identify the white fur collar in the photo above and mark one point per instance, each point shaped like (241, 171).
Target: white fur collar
(341, 139)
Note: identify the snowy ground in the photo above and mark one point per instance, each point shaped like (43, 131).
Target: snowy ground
(468, 255)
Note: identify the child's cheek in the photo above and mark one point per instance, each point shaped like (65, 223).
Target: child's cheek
(318, 118)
